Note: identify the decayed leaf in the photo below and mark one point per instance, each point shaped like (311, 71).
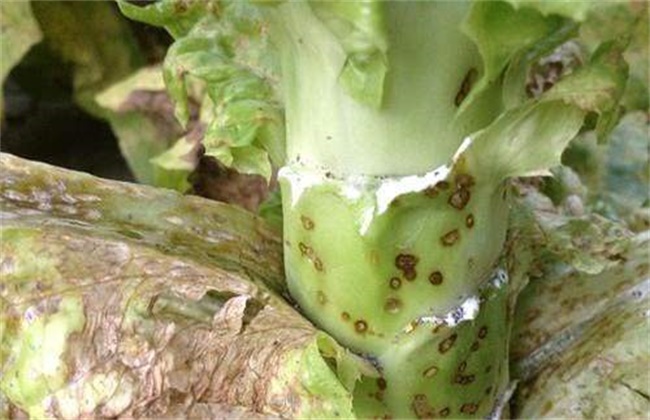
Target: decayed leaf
(580, 342)
(18, 32)
(142, 117)
(121, 300)
(562, 298)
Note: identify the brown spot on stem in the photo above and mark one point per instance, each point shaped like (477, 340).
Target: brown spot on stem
(381, 383)
(444, 412)
(395, 283)
(406, 264)
(392, 305)
(318, 264)
(360, 326)
(469, 408)
(421, 407)
(304, 249)
(450, 238)
(442, 185)
(459, 198)
(435, 278)
(437, 328)
(345, 316)
(430, 372)
(464, 181)
(431, 192)
(447, 343)
(465, 86)
(469, 221)
(482, 333)
(475, 346)
(307, 223)
(462, 367)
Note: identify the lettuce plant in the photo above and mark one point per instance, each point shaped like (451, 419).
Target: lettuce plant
(396, 127)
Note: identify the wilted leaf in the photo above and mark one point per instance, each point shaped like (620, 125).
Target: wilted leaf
(580, 342)
(142, 117)
(123, 300)
(224, 49)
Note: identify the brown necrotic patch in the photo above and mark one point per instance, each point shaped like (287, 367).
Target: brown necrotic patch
(465, 86)
(475, 346)
(482, 333)
(462, 366)
(459, 198)
(307, 223)
(469, 221)
(436, 278)
(421, 407)
(450, 238)
(381, 383)
(444, 412)
(434, 190)
(464, 379)
(464, 181)
(395, 283)
(406, 264)
(469, 408)
(360, 326)
(447, 343)
(345, 316)
(430, 372)
(392, 305)
(308, 252)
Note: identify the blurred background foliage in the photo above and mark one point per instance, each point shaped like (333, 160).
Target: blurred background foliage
(83, 89)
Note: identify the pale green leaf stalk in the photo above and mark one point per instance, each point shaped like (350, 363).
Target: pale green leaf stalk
(404, 122)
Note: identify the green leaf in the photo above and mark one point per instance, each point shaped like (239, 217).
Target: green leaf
(500, 32)
(576, 10)
(177, 16)
(529, 139)
(19, 31)
(359, 27)
(224, 56)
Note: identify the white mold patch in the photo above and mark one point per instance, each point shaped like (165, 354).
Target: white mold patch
(385, 189)
(466, 311)
(300, 179)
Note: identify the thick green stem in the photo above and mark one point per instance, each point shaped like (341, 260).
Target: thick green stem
(428, 58)
(391, 231)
